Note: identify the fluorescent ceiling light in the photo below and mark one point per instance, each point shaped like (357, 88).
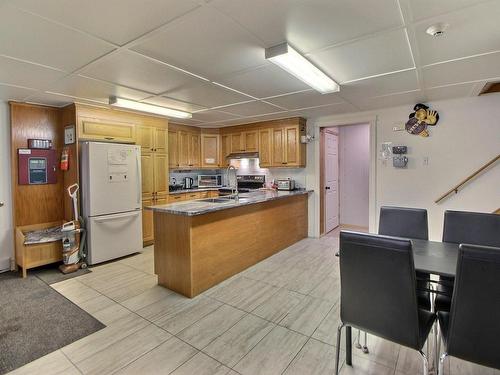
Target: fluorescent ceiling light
(294, 63)
(144, 107)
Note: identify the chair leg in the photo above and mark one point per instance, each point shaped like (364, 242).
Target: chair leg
(437, 345)
(365, 348)
(426, 362)
(337, 353)
(441, 364)
(358, 345)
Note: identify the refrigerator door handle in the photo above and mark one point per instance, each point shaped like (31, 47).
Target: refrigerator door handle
(139, 176)
(128, 215)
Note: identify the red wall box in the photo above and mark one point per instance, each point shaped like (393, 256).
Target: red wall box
(36, 167)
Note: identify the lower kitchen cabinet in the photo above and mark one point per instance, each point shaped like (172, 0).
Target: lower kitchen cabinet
(148, 235)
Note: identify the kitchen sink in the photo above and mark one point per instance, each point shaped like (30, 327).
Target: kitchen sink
(217, 200)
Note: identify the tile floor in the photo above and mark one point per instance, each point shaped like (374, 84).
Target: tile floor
(278, 317)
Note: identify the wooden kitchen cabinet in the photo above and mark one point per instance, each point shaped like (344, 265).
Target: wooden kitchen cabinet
(147, 223)
(173, 149)
(160, 140)
(147, 175)
(160, 166)
(265, 148)
(102, 131)
(183, 148)
(145, 138)
(210, 150)
(194, 151)
(237, 142)
(278, 154)
(225, 150)
(287, 151)
(251, 141)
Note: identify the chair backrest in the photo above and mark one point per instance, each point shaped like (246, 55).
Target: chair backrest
(475, 307)
(403, 222)
(472, 228)
(378, 292)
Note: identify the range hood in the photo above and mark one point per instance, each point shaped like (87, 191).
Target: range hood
(243, 155)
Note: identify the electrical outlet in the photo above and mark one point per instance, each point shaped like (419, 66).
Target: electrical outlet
(426, 161)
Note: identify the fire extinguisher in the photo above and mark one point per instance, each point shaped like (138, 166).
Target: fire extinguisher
(65, 159)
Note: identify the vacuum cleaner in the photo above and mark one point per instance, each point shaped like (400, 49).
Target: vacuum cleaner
(73, 238)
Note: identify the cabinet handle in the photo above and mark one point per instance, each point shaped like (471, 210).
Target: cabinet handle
(109, 138)
(152, 149)
(284, 162)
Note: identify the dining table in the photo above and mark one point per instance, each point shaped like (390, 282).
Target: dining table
(433, 257)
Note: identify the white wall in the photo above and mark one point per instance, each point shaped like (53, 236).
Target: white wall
(354, 170)
(467, 136)
(6, 231)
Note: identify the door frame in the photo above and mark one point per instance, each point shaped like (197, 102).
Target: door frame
(372, 199)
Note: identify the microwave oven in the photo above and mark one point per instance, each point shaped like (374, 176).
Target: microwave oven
(209, 181)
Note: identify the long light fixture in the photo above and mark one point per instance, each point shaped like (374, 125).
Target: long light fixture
(294, 63)
(144, 107)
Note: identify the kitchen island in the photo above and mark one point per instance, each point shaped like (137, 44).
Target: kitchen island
(200, 243)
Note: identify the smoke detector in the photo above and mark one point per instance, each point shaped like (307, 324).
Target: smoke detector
(437, 29)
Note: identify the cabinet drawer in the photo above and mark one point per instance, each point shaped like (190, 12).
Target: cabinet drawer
(109, 132)
(190, 196)
(176, 198)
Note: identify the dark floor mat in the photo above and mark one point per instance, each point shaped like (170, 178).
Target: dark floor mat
(50, 274)
(36, 320)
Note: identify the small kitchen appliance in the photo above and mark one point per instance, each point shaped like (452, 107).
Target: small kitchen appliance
(188, 182)
(286, 184)
(209, 181)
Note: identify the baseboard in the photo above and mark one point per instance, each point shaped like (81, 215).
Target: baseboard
(358, 228)
(4, 264)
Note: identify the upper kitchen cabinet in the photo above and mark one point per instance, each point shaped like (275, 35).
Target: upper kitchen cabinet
(173, 149)
(225, 146)
(265, 147)
(245, 141)
(184, 147)
(286, 147)
(152, 139)
(210, 150)
(98, 130)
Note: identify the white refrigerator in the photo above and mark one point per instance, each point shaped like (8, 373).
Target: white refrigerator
(110, 177)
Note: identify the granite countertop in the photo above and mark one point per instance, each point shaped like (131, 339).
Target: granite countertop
(202, 206)
(194, 190)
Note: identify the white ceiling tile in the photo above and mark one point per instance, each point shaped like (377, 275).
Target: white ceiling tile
(326, 110)
(387, 101)
(311, 24)
(422, 9)
(117, 21)
(473, 69)
(174, 104)
(383, 53)
(254, 108)
(449, 92)
(91, 89)
(56, 100)
(213, 115)
(472, 31)
(133, 70)
(384, 85)
(205, 42)
(305, 99)
(265, 81)
(8, 92)
(207, 94)
(34, 39)
(15, 72)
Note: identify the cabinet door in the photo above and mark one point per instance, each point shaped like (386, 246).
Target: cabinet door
(147, 175)
(278, 154)
(265, 143)
(191, 196)
(173, 149)
(147, 222)
(93, 130)
(225, 150)
(210, 150)
(176, 197)
(160, 173)
(292, 145)
(183, 149)
(236, 142)
(251, 141)
(145, 139)
(160, 140)
(194, 150)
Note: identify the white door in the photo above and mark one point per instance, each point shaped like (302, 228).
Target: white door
(111, 178)
(331, 182)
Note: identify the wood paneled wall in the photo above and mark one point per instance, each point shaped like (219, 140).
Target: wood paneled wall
(34, 204)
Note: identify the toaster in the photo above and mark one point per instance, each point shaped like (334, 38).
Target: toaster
(286, 184)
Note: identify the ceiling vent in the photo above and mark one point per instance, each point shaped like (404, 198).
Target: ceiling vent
(437, 29)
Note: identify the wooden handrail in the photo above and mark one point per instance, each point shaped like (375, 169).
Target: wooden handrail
(473, 175)
(497, 211)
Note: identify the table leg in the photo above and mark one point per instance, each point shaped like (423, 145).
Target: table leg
(348, 345)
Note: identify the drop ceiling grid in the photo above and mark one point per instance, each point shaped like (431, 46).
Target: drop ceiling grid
(408, 24)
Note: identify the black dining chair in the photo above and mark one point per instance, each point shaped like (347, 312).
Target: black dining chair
(470, 329)
(474, 228)
(378, 291)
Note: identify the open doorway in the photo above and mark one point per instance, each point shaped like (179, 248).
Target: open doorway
(345, 177)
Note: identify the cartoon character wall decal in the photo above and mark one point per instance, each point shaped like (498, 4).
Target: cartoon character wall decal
(420, 119)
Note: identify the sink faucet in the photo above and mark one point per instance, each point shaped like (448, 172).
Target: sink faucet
(234, 189)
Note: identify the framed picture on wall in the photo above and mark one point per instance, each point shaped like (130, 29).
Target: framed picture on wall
(69, 135)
